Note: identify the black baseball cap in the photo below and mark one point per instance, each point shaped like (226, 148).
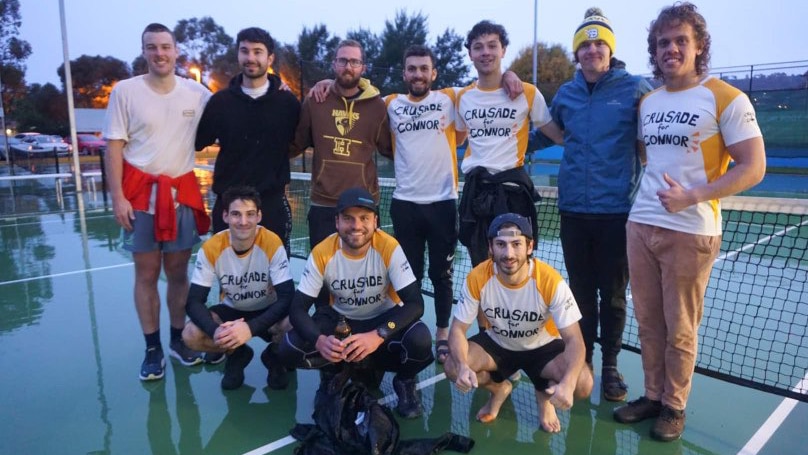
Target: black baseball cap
(521, 223)
(356, 197)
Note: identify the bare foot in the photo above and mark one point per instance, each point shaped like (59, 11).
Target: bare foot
(548, 419)
(499, 393)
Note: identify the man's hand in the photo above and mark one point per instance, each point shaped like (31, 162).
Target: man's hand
(561, 395)
(330, 348)
(361, 345)
(512, 84)
(676, 198)
(320, 90)
(232, 334)
(122, 210)
(466, 378)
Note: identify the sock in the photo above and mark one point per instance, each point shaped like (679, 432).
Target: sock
(176, 334)
(152, 339)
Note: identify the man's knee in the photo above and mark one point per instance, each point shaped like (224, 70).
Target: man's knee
(193, 336)
(418, 340)
(585, 384)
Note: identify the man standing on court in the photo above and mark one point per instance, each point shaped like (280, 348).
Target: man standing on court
(254, 122)
(370, 283)
(692, 127)
(150, 125)
(424, 203)
(597, 180)
(497, 127)
(345, 131)
(532, 326)
(250, 266)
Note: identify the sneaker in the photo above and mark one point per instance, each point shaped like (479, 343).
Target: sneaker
(409, 404)
(669, 426)
(153, 366)
(612, 385)
(640, 409)
(277, 378)
(213, 358)
(183, 353)
(234, 367)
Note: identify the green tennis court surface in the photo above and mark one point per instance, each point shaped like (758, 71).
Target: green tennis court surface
(70, 350)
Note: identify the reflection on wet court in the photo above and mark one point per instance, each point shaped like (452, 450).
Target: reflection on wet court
(70, 350)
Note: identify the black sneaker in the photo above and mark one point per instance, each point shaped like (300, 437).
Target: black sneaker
(409, 403)
(277, 378)
(213, 358)
(153, 366)
(234, 367)
(669, 426)
(183, 353)
(640, 409)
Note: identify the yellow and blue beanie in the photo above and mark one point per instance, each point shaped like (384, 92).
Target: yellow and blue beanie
(594, 27)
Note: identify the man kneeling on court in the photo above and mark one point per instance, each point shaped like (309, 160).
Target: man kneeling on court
(371, 284)
(252, 269)
(528, 305)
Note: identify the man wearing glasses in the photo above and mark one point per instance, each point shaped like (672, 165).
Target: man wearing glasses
(345, 130)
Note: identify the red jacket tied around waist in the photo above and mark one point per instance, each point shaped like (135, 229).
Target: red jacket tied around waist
(137, 187)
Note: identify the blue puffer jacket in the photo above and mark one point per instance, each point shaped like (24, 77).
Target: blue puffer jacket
(600, 169)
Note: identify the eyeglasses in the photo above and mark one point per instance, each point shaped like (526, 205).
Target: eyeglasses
(343, 62)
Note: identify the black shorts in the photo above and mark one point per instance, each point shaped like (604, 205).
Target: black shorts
(508, 362)
(227, 313)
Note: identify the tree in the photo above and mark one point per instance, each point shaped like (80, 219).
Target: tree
(43, 110)
(316, 49)
(554, 67)
(372, 46)
(452, 68)
(139, 66)
(200, 42)
(396, 38)
(93, 78)
(13, 53)
(223, 69)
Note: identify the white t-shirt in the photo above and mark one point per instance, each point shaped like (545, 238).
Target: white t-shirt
(522, 318)
(246, 281)
(360, 287)
(686, 134)
(497, 126)
(159, 129)
(425, 146)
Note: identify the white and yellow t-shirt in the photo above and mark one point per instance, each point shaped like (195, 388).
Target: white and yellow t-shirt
(246, 281)
(425, 146)
(686, 134)
(360, 287)
(497, 126)
(523, 317)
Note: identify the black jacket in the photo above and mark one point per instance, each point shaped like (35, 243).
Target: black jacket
(255, 136)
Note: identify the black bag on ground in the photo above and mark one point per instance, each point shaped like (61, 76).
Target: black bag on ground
(349, 421)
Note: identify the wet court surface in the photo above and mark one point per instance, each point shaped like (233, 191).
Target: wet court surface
(70, 350)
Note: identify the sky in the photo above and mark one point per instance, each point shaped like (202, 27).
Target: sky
(743, 32)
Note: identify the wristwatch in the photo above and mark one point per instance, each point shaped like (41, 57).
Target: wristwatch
(383, 332)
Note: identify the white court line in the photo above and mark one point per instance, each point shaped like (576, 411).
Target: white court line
(75, 272)
(749, 246)
(766, 431)
(289, 440)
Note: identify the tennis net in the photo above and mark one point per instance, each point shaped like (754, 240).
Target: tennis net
(754, 331)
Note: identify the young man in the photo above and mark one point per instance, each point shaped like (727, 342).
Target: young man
(597, 180)
(251, 267)
(254, 122)
(424, 203)
(371, 284)
(497, 128)
(150, 125)
(345, 131)
(532, 326)
(691, 127)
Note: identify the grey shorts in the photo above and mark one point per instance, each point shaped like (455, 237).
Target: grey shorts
(141, 238)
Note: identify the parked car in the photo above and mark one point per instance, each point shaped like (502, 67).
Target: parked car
(89, 144)
(42, 144)
(15, 147)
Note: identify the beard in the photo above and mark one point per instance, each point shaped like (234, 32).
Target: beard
(348, 81)
(419, 91)
(253, 71)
